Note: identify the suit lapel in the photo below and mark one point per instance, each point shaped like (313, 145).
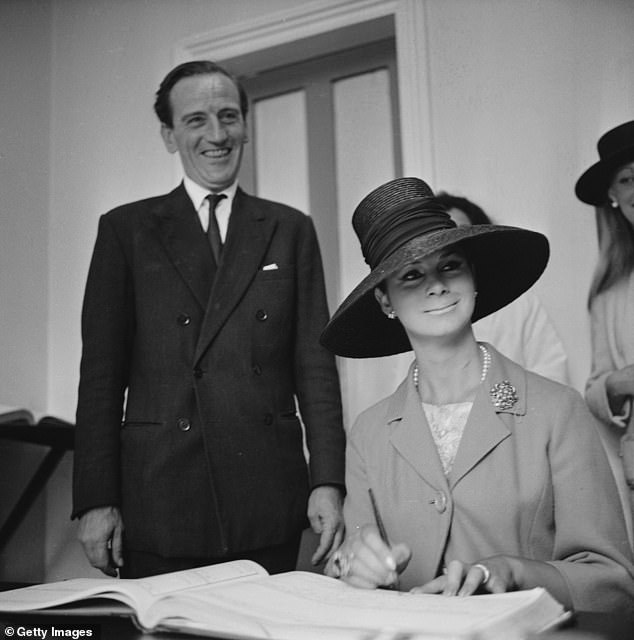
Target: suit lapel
(487, 425)
(182, 236)
(483, 431)
(248, 237)
(412, 438)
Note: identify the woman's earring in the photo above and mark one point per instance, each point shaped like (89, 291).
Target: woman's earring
(475, 294)
(391, 315)
(614, 204)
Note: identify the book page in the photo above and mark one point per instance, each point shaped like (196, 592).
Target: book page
(54, 594)
(284, 604)
(139, 594)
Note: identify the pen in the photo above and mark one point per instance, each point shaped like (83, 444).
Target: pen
(377, 518)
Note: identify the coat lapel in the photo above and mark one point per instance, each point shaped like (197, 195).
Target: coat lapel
(248, 237)
(411, 435)
(182, 236)
(412, 438)
(488, 425)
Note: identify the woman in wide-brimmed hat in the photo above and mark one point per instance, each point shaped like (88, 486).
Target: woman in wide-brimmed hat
(608, 185)
(486, 476)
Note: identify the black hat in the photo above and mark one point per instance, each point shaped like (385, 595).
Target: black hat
(616, 148)
(400, 222)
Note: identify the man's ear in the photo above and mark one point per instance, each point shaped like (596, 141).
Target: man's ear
(168, 138)
(383, 300)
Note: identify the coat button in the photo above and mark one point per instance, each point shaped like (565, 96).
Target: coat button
(183, 424)
(268, 419)
(440, 502)
(198, 372)
(261, 315)
(257, 370)
(183, 319)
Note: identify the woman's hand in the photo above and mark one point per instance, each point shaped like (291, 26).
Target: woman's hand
(495, 575)
(365, 561)
(620, 385)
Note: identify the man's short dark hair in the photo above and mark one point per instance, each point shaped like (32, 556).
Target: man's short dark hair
(475, 214)
(162, 104)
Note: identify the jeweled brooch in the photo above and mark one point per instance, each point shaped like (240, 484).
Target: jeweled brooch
(503, 395)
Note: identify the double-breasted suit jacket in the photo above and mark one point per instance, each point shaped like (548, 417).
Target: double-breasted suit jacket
(530, 479)
(207, 459)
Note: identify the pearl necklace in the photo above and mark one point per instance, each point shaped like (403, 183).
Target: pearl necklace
(486, 363)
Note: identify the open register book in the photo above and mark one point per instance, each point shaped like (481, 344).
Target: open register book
(240, 600)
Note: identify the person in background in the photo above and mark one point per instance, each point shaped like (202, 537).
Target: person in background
(608, 185)
(488, 477)
(521, 330)
(200, 326)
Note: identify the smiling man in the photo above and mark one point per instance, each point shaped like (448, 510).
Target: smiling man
(200, 327)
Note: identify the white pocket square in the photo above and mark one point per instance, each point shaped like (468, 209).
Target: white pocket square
(270, 267)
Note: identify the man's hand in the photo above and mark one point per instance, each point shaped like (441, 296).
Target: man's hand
(326, 518)
(101, 534)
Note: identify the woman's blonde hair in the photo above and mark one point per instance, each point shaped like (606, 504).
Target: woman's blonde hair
(616, 249)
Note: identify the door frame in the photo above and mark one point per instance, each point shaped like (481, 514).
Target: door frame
(325, 26)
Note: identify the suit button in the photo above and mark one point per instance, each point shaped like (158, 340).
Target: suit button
(257, 370)
(198, 372)
(440, 502)
(268, 419)
(183, 424)
(183, 319)
(261, 315)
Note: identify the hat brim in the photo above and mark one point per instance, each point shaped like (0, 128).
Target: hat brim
(507, 262)
(592, 187)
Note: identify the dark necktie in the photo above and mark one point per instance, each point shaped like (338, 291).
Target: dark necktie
(213, 232)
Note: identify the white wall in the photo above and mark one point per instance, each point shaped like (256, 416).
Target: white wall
(521, 91)
(25, 42)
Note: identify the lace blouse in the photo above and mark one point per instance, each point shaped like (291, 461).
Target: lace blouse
(447, 422)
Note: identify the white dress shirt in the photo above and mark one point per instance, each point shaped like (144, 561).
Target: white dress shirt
(198, 196)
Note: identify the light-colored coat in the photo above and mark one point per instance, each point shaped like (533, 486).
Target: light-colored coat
(611, 317)
(530, 481)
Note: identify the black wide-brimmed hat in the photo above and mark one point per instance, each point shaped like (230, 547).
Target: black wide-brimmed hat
(400, 222)
(616, 148)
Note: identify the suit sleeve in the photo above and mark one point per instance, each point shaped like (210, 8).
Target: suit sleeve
(107, 328)
(316, 377)
(357, 510)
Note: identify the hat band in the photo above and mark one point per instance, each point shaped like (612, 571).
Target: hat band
(391, 231)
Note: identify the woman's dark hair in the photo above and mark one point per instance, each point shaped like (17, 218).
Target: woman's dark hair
(475, 214)
(162, 104)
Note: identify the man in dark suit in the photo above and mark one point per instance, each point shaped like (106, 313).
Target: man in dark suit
(209, 340)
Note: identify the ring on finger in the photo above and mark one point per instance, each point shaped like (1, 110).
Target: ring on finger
(342, 563)
(486, 573)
